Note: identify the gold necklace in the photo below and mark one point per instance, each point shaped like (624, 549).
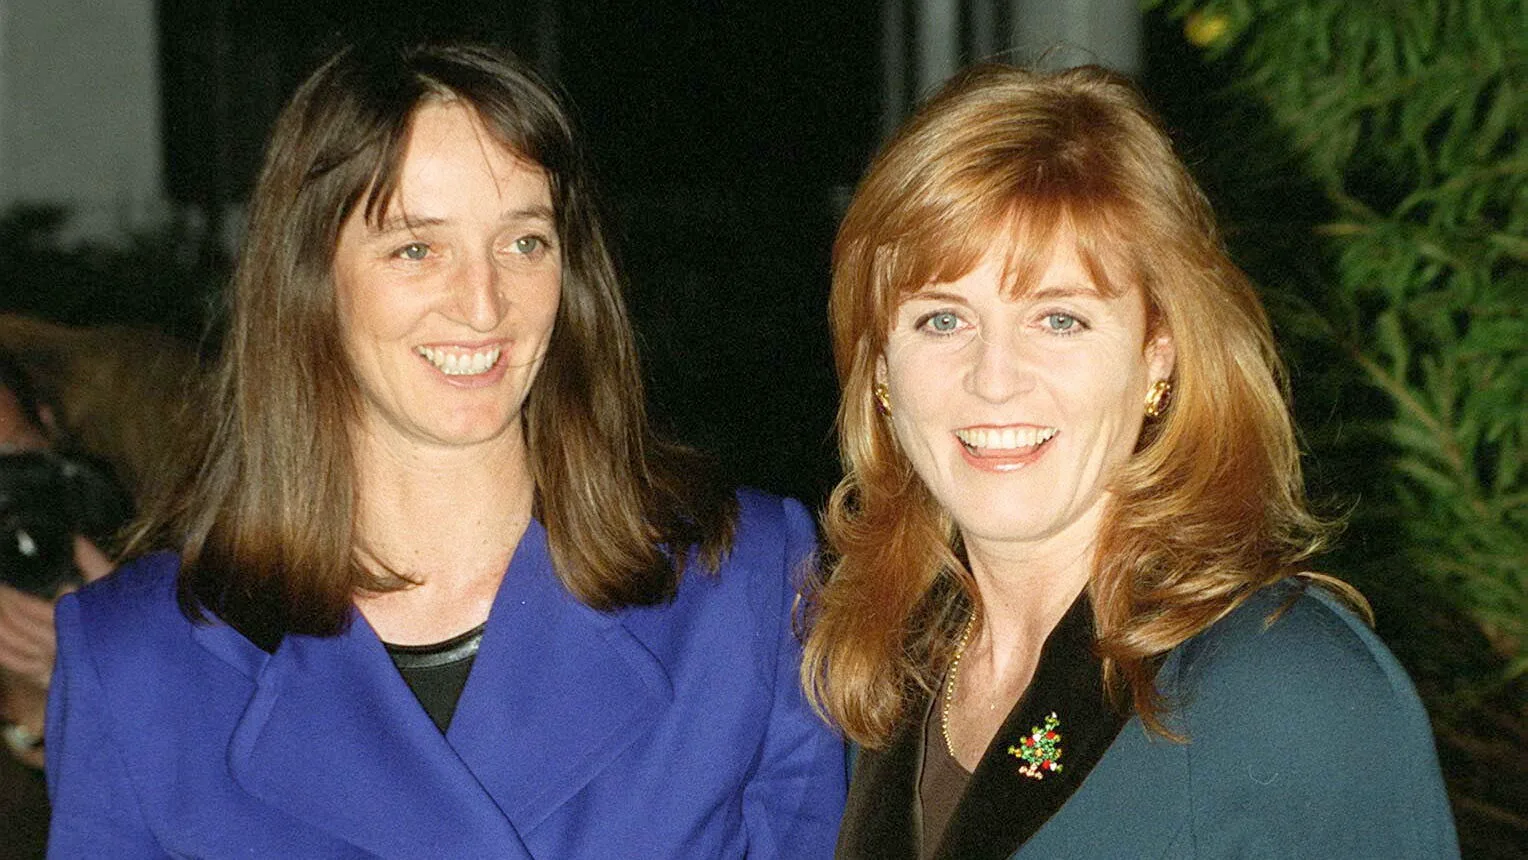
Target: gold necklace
(949, 685)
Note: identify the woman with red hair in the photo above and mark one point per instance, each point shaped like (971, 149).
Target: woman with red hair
(1066, 610)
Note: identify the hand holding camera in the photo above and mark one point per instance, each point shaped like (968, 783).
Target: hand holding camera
(51, 507)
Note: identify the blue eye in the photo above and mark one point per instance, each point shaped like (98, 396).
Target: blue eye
(943, 322)
(1062, 323)
(413, 251)
(529, 244)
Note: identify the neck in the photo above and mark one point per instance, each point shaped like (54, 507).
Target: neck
(1020, 606)
(447, 519)
(1023, 590)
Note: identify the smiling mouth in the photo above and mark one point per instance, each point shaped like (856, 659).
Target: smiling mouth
(458, 363)
(1005, 441)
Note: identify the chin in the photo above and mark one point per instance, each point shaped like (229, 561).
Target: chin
(476, 434)
(992, 530)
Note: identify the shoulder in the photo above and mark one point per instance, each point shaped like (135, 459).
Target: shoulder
(1303, 716)
(776, 543)
(771, 553)
(130, 623)
(1298, 646)
(140, 594)
(121, 619)
(731, 633)
(124, 630)
(757, 580)
(770, 525)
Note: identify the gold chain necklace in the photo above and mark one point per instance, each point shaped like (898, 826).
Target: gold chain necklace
(949, 686)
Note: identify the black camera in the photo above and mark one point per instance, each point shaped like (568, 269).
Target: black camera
(45, 500)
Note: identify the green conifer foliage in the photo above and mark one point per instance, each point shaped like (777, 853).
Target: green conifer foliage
(1410, 117)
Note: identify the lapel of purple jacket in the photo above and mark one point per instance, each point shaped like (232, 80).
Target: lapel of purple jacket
(334, 736)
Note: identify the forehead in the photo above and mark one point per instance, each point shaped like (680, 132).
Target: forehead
(452, 125)
(448, 138)
(451, 157)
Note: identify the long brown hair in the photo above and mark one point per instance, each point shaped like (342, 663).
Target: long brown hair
(263, 514)
(1209, 508)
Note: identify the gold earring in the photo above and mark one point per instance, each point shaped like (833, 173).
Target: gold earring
(882, 399)
(1157, 398)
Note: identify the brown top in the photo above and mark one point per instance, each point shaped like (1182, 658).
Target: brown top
(941, 783)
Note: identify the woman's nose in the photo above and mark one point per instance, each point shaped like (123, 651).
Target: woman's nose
(480, 299)
(999, 369)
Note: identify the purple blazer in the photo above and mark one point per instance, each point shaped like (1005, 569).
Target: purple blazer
(672, 731)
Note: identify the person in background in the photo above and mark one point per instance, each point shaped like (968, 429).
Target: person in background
(27, 426)
(1067, 610)
(429, 586)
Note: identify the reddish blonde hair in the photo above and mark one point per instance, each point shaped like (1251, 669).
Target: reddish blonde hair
(1210, 506)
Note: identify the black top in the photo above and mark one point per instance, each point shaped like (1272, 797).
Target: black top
(1030, 769)
(437, 673)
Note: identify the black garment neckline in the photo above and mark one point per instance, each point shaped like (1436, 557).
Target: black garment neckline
(462, 646)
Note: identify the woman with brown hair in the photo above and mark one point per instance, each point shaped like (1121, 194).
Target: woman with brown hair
(1065, 611)
(433, 589)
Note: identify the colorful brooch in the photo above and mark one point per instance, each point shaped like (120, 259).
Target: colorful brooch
(1041, 751)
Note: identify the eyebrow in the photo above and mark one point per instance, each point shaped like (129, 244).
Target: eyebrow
(935, 296)
(401, 223)
(1067, 292)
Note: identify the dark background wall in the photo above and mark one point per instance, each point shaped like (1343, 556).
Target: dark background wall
(724, 135)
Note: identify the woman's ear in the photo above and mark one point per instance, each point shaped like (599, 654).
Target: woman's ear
(1161, 356)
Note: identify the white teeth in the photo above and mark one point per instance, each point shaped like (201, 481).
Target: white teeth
(1008, 438)
(458, 363)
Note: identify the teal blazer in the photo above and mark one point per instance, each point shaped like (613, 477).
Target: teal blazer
(1306, 739)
